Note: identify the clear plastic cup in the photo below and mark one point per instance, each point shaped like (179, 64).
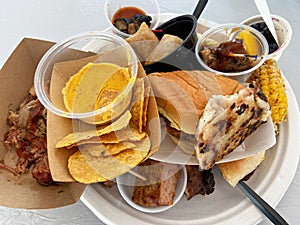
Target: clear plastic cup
(227, 32)
(150, 7)
(66, 58)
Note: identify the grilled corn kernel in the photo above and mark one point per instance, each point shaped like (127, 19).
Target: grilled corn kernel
(269, 78)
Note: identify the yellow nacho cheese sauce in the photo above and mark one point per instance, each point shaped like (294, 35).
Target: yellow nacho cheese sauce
(95, 86)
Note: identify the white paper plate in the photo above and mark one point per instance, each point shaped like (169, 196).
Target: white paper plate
(226, 205)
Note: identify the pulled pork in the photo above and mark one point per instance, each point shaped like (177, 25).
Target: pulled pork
(27, 134)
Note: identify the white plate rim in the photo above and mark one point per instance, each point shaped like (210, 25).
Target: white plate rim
(109, 213)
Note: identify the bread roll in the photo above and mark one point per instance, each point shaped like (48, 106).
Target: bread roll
(235, 171)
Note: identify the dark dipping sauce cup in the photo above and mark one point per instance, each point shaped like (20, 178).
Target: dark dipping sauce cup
(183, 58)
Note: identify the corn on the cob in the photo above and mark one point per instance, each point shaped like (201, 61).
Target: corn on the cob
(269, 78)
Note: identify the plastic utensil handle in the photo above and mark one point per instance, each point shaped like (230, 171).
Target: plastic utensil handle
(199, 8)
(264, 207)
(264, 11)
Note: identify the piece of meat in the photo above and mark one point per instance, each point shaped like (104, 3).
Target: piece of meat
(109, 183)
(41, 171)
(138, 19)
(227, 121)
(25, 113)
(132, 24)
(224, 59)
(210, 57)
(132, 28)
(27, 134)
(121, 24)
(8, 168)
(199, 181)
(159, 189)
(12, 118)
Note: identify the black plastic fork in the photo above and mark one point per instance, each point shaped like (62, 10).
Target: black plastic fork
(264, 207)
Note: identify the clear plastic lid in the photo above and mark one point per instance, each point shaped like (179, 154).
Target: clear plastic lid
(66, 58)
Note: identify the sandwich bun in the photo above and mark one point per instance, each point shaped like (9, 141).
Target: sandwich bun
(235, 171)
(182, 95)
(185, 145)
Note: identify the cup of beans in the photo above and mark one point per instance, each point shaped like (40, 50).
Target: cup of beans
(283, 30)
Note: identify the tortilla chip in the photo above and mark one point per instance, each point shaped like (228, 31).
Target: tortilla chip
(111, 89)
(73, 138)
(145, 106)
(87, 169)
(167, 45)
(112, 166)
(143, 41)
(99, 149)
(81, 171)
(138, 104)
(143, 145)
(106, 98)
(84, 90)
(129, 134)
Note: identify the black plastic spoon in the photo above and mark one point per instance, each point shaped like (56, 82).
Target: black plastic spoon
(264, 207)
(199, 8)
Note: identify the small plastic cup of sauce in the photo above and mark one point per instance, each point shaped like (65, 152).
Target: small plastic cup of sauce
(126, 16)
(79, 62)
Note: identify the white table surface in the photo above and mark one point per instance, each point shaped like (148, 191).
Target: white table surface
(58, 19)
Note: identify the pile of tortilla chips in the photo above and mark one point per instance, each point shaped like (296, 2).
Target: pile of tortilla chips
(111, 150)
(147, 46)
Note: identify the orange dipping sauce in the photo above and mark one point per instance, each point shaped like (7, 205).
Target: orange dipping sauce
(127, 12)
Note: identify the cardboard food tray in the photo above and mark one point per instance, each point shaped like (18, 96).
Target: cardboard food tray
(16, 78)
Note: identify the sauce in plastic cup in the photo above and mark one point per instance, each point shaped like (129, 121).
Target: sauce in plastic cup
(66, 58)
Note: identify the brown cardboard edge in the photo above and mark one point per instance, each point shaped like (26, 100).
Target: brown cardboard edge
(16, 77)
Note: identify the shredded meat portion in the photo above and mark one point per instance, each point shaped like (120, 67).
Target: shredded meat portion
(27, 134)
(8, 168)
(41, 171)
